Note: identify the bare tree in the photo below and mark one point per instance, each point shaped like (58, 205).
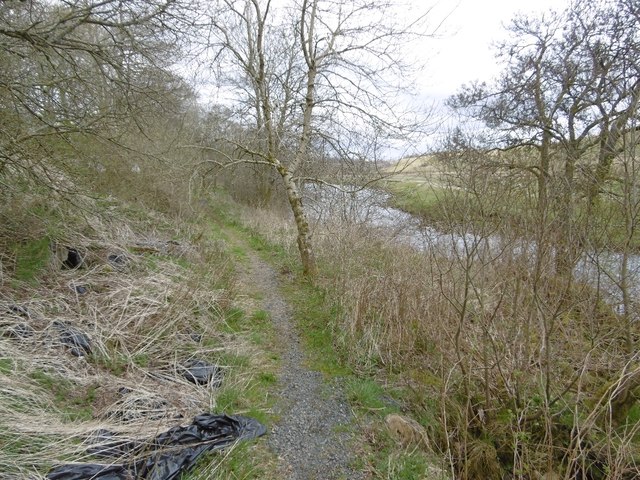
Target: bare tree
(318, 78)
(563, 114)
(80, 67)
(570, 90)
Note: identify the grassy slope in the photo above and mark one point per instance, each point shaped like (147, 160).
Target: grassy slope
(417, 186)
(176, 298)
(173, 299)
(426, 188)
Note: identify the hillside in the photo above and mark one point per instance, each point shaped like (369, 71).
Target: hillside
(120, 326)
(199, 278)
(129, 322)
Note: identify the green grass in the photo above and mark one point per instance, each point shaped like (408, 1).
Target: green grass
(141, 360)
(224, 217)
(234, 319)
(31, 258)
(155, 261)
(416, 198)
(239, 253)
(408, 465)
(6, 365)
(253, 396)
(259, 244)
(261, 329)
(372, 402)
(368, 395)
(603, 226)
(74, 401)
(13, 448)
(228, 399)
(236, 465)
(608, 225)
(234, 360)
(244, 460)
(115, 363)
(633, 417)
(316, 319)
(260, 317)
(257, 326)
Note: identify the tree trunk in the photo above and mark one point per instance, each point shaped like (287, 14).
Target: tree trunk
(305, 247)
(630, 205)
(566, 249)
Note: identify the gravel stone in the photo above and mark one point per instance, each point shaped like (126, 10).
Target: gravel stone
(312, 439)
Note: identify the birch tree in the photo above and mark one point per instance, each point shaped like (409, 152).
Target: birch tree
(316, 78)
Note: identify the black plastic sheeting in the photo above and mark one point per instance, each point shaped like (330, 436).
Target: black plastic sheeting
(90, 471)
(74, 338)
(73, 260)
(202, 373)
(18, 310)
(20, 331)
(117, 260)
(166, 456)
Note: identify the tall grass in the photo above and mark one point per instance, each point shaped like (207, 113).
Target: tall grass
(522, 371)
(166, 302)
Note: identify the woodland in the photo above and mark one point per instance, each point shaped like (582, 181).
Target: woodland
(146, 146)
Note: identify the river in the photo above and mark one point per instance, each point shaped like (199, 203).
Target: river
(369, 206)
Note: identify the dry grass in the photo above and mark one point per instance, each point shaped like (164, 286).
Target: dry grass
(274, 226)
(145, 316)
(514, 367)
(494, 341)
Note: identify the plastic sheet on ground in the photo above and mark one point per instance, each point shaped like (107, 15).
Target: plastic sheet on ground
(166, 456)
(79, 289)
(74, 338)
(202, 373)
(117, 260)
(18, 310)
(20, 331)
(73, 260)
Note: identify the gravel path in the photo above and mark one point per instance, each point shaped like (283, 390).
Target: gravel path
(311, 438)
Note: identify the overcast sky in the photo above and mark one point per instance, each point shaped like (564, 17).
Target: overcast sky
(464, 53)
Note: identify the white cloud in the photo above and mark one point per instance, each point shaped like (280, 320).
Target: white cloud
(464, 50)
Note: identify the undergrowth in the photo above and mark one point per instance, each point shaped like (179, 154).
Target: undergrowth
(503, 370)
(153, 292)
